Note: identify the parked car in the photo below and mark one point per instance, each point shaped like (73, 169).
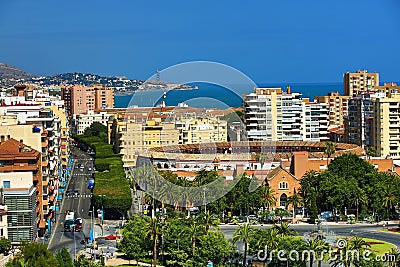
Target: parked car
(113, 237)
(67, 193)
(76, 192)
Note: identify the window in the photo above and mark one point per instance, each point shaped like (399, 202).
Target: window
(6, 184)
(283, 185)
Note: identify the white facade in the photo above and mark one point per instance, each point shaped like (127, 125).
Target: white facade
(273, 115)
(82, 121)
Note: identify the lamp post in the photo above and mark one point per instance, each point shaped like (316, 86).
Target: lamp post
(205, 205)
(102, 212)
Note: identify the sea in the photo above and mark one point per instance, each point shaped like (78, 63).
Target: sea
(215, 96)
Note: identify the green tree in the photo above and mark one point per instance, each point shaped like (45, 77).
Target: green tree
(358, 198)
(317, 246)
(214, 247)
(194, 231)
(389, 200)
(330, 149)
(34, 254)
(95, 129)
(5, 245)
(284, 229)
(135, 243)
(243, 233)
(64, 258)
(208, 220)
(267, 196)
(371, 152)
(295, 200)
(152, 230)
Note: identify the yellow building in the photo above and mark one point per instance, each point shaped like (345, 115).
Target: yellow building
(337, 107)
(386, 130)
(131, 137)
(359, 82)
(201, 130)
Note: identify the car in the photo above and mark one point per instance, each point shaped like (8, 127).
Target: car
(76, 192)
(252, 217)
(78, 224)
(89, 169)
(113, 237)
(67, 193)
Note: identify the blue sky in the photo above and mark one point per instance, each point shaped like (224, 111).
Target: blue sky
(270, 41)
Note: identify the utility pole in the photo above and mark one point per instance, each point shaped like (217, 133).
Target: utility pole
(205, 205)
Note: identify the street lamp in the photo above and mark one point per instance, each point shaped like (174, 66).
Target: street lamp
(205, 205)
(102, 213)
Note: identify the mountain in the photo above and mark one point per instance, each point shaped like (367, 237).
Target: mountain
(11, 72)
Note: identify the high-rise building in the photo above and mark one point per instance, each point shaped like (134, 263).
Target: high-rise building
(386, 130)
(104, 96)
(359, 122)
(274, 115)
(337, 107)
(315, 122)
(360, 82)
(80, 99)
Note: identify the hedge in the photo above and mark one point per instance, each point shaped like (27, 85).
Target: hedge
(110, 178)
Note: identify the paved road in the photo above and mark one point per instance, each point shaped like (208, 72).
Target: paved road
(80, 204)
(363, 230)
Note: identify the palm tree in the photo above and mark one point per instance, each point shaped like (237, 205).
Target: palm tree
(330, 149)
(359, 198)
(270, 238)
(317, 246)
(267, 196)
(395, 259)
(371, 152)
(295, 200)
(153, 231)
(194, 230)
(353, 244)
(208, 220)
(284, 229)
(243, 233)
(389, 199)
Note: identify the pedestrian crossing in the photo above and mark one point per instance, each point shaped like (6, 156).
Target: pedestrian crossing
(80, 196)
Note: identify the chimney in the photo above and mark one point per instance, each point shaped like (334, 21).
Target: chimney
(299, 163)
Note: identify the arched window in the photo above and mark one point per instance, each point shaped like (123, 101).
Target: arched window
(283, 185)
(283, 200)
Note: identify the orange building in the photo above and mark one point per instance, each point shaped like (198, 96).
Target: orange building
(20, 175)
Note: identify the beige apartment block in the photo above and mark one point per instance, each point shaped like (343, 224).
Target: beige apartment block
(201, 130)
(337, 107)
(82, 99)
(386, 130)
(135, 137)
(359, 82)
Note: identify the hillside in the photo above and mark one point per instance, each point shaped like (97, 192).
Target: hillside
(11, 72)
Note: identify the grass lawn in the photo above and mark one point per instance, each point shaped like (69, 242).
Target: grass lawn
(380, 249)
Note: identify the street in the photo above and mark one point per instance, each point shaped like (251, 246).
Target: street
(362, 230)
(79, 201)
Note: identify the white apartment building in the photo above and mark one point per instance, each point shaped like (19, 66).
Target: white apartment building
(315, 122)
(82, 121)
(274, 115)
(386, 125)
